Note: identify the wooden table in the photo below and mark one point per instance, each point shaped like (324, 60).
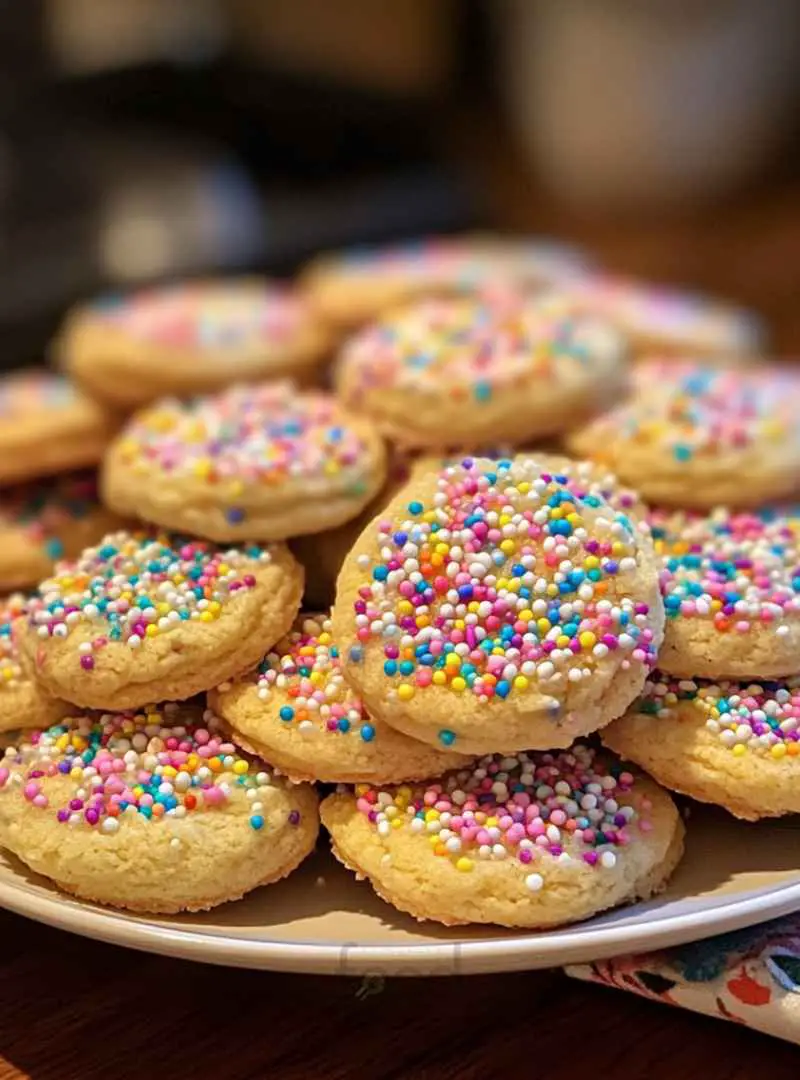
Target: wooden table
(77, 1010)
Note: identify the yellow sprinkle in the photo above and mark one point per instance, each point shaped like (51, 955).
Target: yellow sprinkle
(439, 678)
(240, 767)
(520, 683)
(740, 750)
(151, 630)
(458, 684)
(464, 864)
(405, 691)
(432, 814)
(508, 547)
(205, 616)
(778, 750)
(587, 639)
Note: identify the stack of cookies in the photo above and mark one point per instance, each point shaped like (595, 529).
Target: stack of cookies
(427, 590)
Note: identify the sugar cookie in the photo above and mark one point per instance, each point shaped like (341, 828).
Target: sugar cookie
(698, 436)
(356, 286)
(731, 588)
(490, 608)
(48, 520)
(145, 617)
(153, 812)
(258, 462)
(297, 712)
(48, 426)
(733, 744)
(22, 703)
(531, 840)
(463, 372)
(660, 321)
(190, 338)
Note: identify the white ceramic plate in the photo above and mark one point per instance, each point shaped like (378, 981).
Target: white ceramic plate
(322, 921)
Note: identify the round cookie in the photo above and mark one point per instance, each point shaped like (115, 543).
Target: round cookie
(668, 322)
(490, 608)
(731, 589)
(145, 617)
(48, 426)
(356, 286)
(22, 703)
(48, 520)
(154, 812)
(696, 436)
(191, 337)
(297, 712)
(736, 745)
(531, 840)
(455, 372)
(254, 462)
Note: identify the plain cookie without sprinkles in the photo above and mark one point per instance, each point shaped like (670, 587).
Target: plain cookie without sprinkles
(153, 811)
(255, 462)
(145, 617)
(489, 606)
(465, 372)
(297, 711)
(735, 744)
(529, 840)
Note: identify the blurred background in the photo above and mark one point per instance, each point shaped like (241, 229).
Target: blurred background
(142, 139)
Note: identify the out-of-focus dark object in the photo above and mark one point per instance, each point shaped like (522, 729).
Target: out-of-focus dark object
(623, 105)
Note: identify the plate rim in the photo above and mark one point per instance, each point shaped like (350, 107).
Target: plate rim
(516, 952)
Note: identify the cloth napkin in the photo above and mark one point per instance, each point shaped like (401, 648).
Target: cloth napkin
(749, 977)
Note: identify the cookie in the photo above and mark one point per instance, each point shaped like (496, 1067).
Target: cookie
(191, 337)
(489, 608)
(252, 463)
(22, 703)
(48, 520)
(356, 286)
(533, 840)
(48, 426)
(733, 744)
(146, 617)
(297, 712)
(731, 588)
(453, 372)
(700, 437)
(660, 321)
(154, 811)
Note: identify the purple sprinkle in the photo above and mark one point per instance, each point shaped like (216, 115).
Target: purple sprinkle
(294, 817)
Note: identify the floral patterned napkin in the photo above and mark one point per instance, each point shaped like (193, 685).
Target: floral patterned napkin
(750, 977)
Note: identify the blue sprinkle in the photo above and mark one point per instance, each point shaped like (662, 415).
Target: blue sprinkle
(682, 452)
(483, 391)
(380, 573)
(415, 507)
(235, 515)
(257, 821)
(447, 738)
(356, 653)
(367, 732)
(287, 713)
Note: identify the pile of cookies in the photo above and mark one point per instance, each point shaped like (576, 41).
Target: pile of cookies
(427, 607)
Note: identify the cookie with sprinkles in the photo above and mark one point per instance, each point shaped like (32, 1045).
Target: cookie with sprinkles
(298, 712)
(734, 744)
(695, 436)
(154, 811)
(147, 617)
(490, 607)
(731, 588)
(192, 337)
(451, 372)
(260, 462)
(356, 286)
(22, 703)
(661, 321)
(532, 840)
(48, 426)
(48, 520)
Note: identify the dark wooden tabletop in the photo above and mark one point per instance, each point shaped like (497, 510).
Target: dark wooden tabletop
(73, 1009)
